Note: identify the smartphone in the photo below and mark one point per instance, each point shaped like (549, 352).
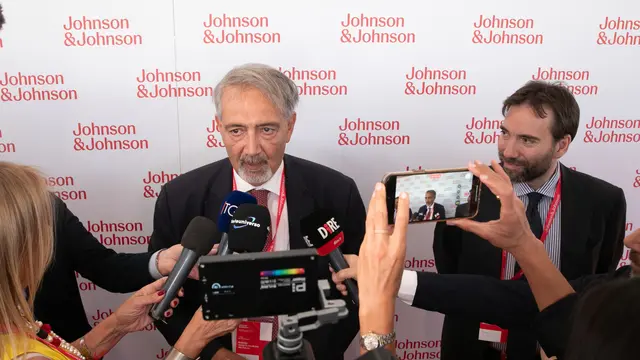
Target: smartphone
(434, 195)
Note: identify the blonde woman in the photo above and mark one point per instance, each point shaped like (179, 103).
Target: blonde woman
(26, 247)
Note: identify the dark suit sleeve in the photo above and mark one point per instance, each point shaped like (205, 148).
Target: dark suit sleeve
(553, 325)
(164, 236)
(119, 273)
(446, 247)
(613, 240)
(506, 303)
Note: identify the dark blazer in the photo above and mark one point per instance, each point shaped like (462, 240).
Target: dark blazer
(506, 303)
(310, 186)
(58, 300)
(437, 209)
(592, 232)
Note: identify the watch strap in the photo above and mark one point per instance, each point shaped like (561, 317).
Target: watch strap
(176, 355)
(383, 340)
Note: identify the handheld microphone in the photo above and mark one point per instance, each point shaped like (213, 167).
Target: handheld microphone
(228, 208)
(322, 232)
(198, 239)
(248, 229)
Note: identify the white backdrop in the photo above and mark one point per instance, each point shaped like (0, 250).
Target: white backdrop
(83, 73)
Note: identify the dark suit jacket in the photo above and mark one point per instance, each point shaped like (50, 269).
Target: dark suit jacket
(437, 209)
(506, 303)
(310, 186)
(592, 232)
(58, 300)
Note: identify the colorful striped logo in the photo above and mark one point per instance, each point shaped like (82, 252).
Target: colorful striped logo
(282, 272)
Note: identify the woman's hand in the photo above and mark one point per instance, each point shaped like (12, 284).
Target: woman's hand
(199, 332)
(132, 315)
(380, 262)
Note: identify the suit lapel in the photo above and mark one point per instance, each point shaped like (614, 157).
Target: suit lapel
(300, 202)
(575, 215)
(490, 210)
(219, 187)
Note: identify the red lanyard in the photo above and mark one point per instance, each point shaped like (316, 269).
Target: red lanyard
(547, 227)
(282, 198)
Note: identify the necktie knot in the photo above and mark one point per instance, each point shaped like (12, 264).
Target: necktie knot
(261, 195)
(534, 198)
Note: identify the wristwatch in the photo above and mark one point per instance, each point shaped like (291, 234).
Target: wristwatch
(372, 340)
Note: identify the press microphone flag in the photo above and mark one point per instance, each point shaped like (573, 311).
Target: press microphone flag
(228, 208)
(249, 228)
(322, 231)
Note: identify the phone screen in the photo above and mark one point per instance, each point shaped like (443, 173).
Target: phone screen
(435, 196)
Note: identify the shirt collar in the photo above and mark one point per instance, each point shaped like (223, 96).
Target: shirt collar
(273, 185)
(548, 189)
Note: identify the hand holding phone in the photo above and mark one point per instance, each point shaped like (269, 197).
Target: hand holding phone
(434, 195)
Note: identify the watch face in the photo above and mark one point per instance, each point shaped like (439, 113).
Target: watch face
(370, 342)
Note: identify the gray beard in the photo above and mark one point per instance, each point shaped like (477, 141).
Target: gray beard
(256, 179)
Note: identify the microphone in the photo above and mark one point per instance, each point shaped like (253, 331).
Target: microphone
(321, 231)
(249, 228)
(228, 208)
(198, 239)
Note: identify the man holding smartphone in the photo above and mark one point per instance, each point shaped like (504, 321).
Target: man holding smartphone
(579, 218)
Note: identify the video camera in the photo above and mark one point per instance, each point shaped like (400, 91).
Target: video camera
(263, 284)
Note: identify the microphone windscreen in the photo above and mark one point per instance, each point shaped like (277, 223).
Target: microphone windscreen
(200, 236)
(229, 206)
(322, 231)
(249, 228)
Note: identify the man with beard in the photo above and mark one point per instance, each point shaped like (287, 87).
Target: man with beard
(255, 110)
(579, 218)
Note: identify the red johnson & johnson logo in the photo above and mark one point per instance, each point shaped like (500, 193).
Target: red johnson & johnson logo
(552, 74)
(307, 79)
(6, 147)
(625, 259)
(111, 233)
(163, 353)
(482, 131)
(226, 30)
(86, 140)
(363, 133)
(417, 349)
(613, 32)
(161, 178)
(62, 187)
(636, 180)
(159, 84)
(495, 35)
(212, 140)
(421, 82)
(27, 87)
(602, 130)
(420, 264)
(85, 285)
(366, 29)
(99, 32)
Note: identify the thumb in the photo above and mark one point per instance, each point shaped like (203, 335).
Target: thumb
(480, 229)
(348, 273)
(352, 260)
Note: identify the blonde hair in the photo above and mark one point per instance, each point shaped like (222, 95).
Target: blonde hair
(26, 247)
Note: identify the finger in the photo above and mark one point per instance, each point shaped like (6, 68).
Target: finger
(174, 303)
(214, 250)
(348, 273)
(181, 292)
(369, 225)
(381, 225)
(352, 260)
(152, 288)
(402, 218)
(168, 313)
(478, 228)
(499, 170)
(335, 279)
(494, 182)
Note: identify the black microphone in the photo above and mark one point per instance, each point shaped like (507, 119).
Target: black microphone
(198, 239)
(228, 208)
(321, 231)
(249, 228)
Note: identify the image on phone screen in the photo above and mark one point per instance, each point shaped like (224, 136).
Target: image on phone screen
(437, 196)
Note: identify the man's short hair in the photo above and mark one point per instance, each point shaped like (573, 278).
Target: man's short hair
(272, 83)
(554, 96)
(1, 17)
(431, 192)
